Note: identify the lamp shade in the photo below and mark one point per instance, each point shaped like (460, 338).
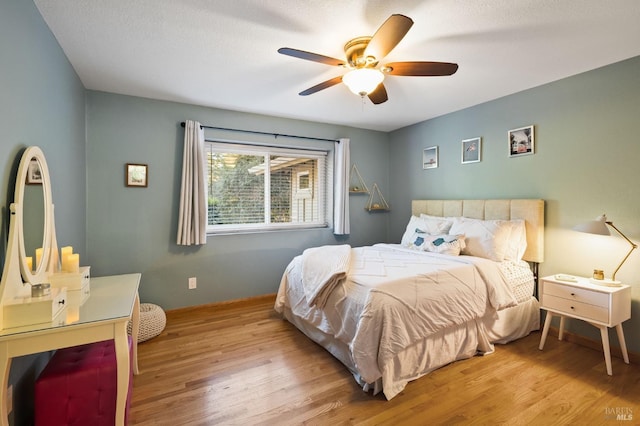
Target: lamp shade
(597, 226)
(363, 81)
(600, 227)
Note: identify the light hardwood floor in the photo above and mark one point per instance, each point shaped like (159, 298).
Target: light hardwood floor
(240, 364)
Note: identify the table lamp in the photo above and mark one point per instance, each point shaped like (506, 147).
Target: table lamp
(599, 226)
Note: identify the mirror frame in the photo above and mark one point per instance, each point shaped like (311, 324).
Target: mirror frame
(41, 273)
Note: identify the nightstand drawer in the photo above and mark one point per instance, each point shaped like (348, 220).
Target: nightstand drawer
(576, 294)
(575, 308)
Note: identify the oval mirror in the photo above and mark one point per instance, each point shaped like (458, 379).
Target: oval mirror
(33, 198)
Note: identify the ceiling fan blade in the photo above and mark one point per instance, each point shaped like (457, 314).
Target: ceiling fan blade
(388, 36)
(423, 69)
(321, 86)
(379, 95)
(309, 56)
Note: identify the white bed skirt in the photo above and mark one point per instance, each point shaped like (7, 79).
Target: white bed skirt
(437, 350)
(514, 323)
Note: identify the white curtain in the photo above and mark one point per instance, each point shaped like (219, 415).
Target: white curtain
(192, 222)
(341, 188)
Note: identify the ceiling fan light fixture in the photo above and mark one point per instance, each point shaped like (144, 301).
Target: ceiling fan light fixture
(363, 81)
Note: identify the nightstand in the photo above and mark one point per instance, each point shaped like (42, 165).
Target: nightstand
(599, 305)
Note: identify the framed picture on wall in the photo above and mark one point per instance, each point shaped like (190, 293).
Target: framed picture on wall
(521, 141)
(430, 158)
(136, 175)
(471, 150)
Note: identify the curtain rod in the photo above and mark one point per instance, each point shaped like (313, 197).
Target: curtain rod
(255, 132)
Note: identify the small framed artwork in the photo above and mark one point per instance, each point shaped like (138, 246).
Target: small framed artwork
(430, 158)
(521, 141)
(471, 150)
(34, 175)
(136, 175)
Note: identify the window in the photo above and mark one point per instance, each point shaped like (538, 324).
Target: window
(254, 187)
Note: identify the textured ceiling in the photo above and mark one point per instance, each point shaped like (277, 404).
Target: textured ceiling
(223, 53)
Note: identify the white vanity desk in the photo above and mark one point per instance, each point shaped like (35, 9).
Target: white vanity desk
(103, 316)
(31, 320)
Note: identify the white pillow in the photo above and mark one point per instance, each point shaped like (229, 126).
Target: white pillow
(436, 225)
(428, 226)
(517, 241)
(445, 244)
(483, 238)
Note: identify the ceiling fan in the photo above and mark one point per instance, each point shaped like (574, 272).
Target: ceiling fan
(363, 56)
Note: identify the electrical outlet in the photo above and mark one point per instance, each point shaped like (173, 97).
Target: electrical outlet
(192, 283)
(9, 399)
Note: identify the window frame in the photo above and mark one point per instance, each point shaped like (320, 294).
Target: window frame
(325, 201)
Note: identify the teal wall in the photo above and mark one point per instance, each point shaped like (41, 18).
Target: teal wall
(134, 229)
(41, 103)
(586, 163)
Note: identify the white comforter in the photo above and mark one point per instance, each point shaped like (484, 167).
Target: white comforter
(323, 268)
(393, 297)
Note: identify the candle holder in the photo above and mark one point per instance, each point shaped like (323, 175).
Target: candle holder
(39, 290)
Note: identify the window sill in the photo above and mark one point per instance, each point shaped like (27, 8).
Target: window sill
(263, 229)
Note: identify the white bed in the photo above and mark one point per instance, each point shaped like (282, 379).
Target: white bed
(393, 313)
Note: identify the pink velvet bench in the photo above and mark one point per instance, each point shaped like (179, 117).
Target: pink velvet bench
(78, 387)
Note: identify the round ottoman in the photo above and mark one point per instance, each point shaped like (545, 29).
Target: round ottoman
(152, 321)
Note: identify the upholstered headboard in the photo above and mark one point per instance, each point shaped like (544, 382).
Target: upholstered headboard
(531, 211)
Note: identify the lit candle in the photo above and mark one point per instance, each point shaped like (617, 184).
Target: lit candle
(29, 263)
(66, 259)
(65, 251)
(71, 263)
(38, 257)
(74, 263)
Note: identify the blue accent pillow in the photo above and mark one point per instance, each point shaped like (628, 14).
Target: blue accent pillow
(445, 244)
